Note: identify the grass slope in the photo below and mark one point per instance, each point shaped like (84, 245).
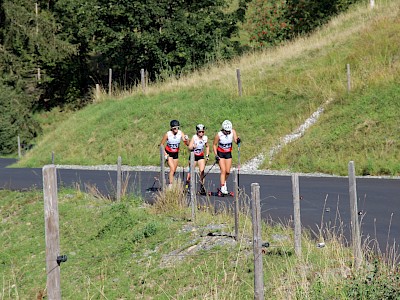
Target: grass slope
(282, 88)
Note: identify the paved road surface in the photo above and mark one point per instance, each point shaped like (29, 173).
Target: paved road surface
(323, 198)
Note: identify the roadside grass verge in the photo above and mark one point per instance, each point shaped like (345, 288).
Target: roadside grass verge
(128, 250)
(282, 87)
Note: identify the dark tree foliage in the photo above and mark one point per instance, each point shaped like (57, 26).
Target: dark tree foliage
(163, 37)
(16, 119)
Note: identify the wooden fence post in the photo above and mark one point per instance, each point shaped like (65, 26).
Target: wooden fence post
(110, 82)
(257, 242)
(236, 189)
(119, 178)
(192, 185)
(296, 214)
(143, 80)
(97, 93)
(162, 171)
(355, 226)
(52, 157)
(19, 147)
(239, 80)
(51, 232)
(348, 78)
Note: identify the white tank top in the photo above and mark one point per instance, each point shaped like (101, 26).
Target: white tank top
(173, 141)
(225, 142)
(199, 144)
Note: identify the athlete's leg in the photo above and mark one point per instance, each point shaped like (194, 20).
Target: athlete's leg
(223, 171)
(173, 165)
(202, 165)
(228, 165)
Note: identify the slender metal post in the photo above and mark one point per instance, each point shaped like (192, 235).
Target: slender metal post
(119, 178)
(162, 170)
(192, 185)
(239, 80)
(236, 191)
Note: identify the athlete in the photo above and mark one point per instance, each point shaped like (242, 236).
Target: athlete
(173, 138)
(198, 144)
(222, 147)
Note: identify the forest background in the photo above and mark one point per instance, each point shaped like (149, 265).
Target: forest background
(52, 53)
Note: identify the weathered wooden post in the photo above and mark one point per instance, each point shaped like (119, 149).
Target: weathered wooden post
(51, 232)
(119, 178)
(348, 78)
(355, 226)
(236, 191)
(52, 157)
(143, 80)
(97, 94)
(192, 185)
(239, 80)
(296, 214)
(162, 170)
(110, 82)
(19, 147)
(257, 242)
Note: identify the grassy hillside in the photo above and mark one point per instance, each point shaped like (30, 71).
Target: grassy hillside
(127, 251)
(282, 87)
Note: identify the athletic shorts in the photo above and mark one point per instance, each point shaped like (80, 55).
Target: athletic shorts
(174, 155)
(226, 155)
(197, 157)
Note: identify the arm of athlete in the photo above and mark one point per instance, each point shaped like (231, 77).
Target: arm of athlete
(235, 137)
(191, 144)
(207, 151)
(163, 140)
(185, 139)
(215, 146)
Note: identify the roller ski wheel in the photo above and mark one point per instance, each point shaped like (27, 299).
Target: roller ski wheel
(219, 194)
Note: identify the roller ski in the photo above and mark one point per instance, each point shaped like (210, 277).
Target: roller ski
(221, 193)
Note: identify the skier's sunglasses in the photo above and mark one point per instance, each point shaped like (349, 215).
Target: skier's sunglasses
(175, 128)
(200, 131)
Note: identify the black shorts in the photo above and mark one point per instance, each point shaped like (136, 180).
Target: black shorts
(226, 155)
(174, 155)
(197, 157)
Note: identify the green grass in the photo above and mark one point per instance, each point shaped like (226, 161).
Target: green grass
(282, 88)
(127, 250)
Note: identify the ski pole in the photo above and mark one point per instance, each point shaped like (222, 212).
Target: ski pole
(210, 169)
(238, 163)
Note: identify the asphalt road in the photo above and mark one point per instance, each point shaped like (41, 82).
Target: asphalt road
(325, 200)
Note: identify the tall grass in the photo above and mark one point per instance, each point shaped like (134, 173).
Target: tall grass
(282, 87)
